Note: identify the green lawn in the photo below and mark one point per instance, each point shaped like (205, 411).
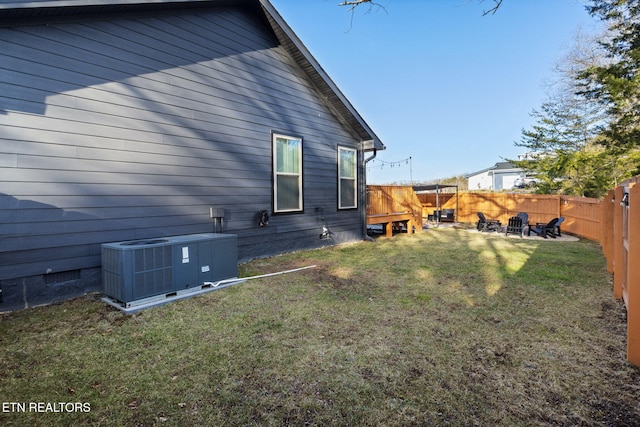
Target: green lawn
(447, 327)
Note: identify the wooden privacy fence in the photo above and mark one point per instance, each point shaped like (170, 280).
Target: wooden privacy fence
(582, 215)
(391, 204)
(621, 246)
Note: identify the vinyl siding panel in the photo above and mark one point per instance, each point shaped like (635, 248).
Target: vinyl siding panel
(133, 128)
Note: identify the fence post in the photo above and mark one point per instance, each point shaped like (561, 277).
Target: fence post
(633, 276)
(618, 245)
(606, 228)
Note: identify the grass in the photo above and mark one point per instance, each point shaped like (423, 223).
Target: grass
(443, 328)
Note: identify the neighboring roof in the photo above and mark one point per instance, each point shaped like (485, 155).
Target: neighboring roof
(17, 12)
(500, 166)
(504, 165)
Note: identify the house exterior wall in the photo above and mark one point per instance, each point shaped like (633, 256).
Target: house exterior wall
(507, 180)
(132, 128)
(481, 181)
(493, 180)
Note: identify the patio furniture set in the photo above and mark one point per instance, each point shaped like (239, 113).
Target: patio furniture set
(442, 215)
(519, 224)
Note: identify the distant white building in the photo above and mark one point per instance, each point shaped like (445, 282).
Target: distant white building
(498, 177)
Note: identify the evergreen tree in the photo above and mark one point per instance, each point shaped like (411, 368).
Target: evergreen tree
(566, 157)
(616, 85)
(586, 137)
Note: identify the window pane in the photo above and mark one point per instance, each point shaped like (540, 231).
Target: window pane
(287, 173)
(287, 155)
(347, 178)
(287, 190)
(347, 193)
(347, 164)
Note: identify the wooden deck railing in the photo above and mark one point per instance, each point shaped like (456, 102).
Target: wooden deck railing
(389, 204)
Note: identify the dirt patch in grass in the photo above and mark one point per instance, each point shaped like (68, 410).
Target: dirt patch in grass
(442, 328)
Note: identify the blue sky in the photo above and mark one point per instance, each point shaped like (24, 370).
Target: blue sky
(436, 80)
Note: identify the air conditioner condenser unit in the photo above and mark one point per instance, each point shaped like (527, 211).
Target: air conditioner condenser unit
(139, 271)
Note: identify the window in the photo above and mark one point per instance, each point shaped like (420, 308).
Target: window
(347, 178)
(287, 174)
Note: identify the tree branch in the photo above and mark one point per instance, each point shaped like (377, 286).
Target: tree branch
(494, 9)
(356, 3)
(353, 2)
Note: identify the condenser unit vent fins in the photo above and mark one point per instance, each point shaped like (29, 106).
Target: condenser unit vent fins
(140, 269)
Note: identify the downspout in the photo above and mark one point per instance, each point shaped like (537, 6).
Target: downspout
(455, 218)
(438, 212)
(363, 192)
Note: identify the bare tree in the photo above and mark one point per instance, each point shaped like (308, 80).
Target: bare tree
(355, 3)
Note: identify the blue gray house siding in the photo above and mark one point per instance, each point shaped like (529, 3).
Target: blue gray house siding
(133, 126)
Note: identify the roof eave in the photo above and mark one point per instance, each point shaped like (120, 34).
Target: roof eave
(333, 96)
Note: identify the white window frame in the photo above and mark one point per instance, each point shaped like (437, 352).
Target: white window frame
(353, 178)
(276, 174)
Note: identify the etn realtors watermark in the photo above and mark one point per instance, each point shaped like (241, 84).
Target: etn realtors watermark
(44, 407)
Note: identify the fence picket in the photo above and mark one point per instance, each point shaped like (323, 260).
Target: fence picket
(632, 271)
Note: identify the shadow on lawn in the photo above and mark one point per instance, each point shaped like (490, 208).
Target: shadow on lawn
(571, 357)
(440, 328)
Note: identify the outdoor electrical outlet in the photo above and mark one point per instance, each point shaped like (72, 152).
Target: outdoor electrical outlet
(216, 213)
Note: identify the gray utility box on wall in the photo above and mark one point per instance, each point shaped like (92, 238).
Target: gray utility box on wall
(140, 269)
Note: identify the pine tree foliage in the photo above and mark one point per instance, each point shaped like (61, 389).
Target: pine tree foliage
(617, 84)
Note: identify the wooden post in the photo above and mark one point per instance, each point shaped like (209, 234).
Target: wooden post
(559, 206)
(606, 228)
(633, 276)
(618, 273)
